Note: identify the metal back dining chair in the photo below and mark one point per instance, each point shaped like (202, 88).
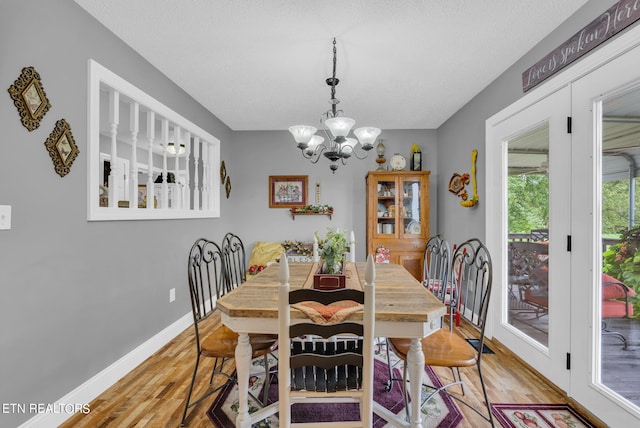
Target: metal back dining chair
(324, 370)
(207, 283)
(235, 260)
(436, 273)
(471, 283)
(436, 278)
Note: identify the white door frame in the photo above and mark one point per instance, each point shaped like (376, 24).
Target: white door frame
(587, 96)
(549, 360)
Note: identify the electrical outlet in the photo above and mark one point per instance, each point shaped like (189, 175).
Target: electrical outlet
(172, 295)
(5, 217)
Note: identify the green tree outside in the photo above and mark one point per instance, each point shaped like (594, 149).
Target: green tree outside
(528, 202)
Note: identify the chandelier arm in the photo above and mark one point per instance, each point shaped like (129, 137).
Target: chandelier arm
(315, 157)
(358, 146)
(327, 133)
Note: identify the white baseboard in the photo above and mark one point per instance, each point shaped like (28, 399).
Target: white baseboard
(95, 386)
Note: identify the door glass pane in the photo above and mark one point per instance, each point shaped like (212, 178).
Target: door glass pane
(620, 339)
(528, 239)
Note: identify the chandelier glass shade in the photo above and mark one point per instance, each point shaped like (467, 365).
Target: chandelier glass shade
(339, 146)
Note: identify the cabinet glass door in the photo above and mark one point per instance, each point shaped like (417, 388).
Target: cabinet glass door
(387, 208)
(409, 213)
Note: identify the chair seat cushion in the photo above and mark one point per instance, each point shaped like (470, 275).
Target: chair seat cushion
(539, 297)
(616, 309)
(442, 348)
(614, 291)
(221, 343)
(328, 314)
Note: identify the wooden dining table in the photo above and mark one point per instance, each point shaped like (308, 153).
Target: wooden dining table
(404, 309)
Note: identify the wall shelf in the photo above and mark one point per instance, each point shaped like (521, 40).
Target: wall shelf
(295, 213)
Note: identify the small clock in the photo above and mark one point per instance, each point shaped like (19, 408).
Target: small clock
(398, 162)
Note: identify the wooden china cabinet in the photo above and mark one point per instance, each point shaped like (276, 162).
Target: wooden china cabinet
(398, 216)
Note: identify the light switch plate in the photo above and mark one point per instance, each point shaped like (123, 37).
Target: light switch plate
(5, 217)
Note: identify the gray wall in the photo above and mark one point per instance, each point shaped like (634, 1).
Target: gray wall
(465, 130)
(77, 295)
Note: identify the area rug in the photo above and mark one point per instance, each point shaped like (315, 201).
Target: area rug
(440, 411)
(538, 415)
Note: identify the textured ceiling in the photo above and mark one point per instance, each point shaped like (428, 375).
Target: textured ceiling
(402, 64)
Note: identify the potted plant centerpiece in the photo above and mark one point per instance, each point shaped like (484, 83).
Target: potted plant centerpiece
(331, 273)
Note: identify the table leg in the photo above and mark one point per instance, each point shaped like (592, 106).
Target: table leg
(243, 366)
(415, 366)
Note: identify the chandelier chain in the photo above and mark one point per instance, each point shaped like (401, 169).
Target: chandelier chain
(334, 81)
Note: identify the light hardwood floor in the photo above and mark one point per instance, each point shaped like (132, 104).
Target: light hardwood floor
(153, 394)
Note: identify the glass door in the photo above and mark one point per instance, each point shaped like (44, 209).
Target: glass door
(528, 233)
(527, 158)
(606, 331)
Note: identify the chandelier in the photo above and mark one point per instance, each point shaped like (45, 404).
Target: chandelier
(339, 146)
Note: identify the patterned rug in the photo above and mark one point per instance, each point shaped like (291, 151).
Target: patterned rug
(538, 416)
(440, 411)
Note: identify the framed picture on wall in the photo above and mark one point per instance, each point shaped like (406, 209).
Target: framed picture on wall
(62, 147)
(287, 191)
(29, 98)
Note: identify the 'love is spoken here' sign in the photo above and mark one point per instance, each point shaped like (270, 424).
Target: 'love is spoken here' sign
(615, 19)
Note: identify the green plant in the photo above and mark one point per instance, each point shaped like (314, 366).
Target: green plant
(332, 250)
(622, 261)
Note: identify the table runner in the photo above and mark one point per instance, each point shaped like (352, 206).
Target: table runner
(337, 311)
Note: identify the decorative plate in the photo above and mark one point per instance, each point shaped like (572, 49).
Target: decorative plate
(398, 162)
(413, 228)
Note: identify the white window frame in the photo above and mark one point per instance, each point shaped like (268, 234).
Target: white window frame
(206, 204)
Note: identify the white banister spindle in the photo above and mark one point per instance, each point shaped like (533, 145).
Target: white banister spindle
(196, 173)
(134, 117)
(177, 137)
(186, 194)
(165, 178)
(151, 133)
(205, 175)
(115, 172)
(212, 177)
